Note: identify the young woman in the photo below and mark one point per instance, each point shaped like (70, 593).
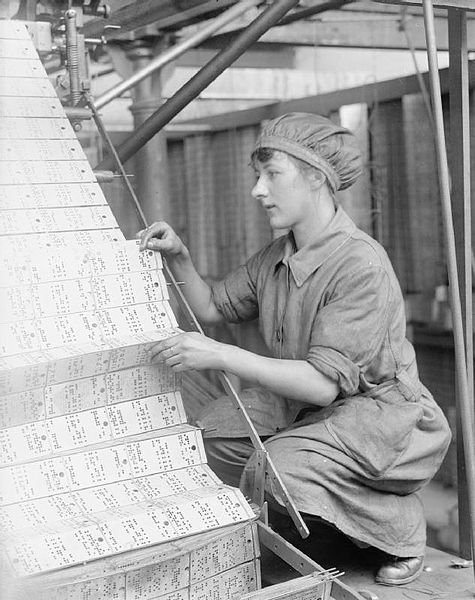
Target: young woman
(349, 426)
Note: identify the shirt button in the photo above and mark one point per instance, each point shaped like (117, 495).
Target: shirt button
(278, 336)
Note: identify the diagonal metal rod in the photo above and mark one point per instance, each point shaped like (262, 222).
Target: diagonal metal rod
(226, 382)
(467, 425)
(163, 115)
(172, 53)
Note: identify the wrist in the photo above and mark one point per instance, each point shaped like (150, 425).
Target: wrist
(180, 258)
(229, 358)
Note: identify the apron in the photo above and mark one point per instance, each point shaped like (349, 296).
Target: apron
(359, 463)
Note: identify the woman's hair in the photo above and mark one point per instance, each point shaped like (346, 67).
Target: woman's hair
(263, 155)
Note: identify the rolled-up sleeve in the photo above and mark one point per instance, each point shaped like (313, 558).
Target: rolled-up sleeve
(349, 330)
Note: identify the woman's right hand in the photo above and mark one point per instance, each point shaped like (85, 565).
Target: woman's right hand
(162, 238)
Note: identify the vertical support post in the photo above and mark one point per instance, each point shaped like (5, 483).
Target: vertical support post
(464, 401)
(461, 207)
(150, 163)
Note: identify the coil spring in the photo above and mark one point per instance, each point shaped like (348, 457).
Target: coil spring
(72, 55)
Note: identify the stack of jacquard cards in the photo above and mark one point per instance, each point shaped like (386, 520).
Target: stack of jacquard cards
(104, 488)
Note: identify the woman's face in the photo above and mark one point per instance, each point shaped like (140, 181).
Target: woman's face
(283, 190)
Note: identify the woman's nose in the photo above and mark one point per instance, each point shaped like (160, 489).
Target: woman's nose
(259, 189)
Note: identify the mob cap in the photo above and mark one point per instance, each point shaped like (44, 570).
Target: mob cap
(317, 141)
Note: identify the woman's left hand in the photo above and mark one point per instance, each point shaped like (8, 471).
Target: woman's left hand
(188, 351)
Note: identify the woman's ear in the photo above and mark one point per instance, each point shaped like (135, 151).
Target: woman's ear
(317, 179)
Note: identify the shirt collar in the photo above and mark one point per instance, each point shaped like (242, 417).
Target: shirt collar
(304, 262)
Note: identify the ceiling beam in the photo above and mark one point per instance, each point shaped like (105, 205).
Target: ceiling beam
(462, 4)
(324, 104)
(160, 13)
(257, 57)
(347, 29)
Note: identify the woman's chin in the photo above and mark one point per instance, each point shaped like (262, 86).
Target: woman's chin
(278, 225)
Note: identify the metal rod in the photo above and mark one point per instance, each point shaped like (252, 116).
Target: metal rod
(225, 381)
(176, 51)
(200, 81)
(463, 396)
(77, 113)
(112, 150)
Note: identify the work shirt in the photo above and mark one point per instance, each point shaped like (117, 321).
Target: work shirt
(335, 303)
(357, 463)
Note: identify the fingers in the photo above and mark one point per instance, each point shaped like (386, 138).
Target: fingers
(165, 349)
(159, 352)
(182, 352)
(156, 230)
(171, 357)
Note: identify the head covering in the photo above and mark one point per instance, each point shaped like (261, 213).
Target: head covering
(317, 141)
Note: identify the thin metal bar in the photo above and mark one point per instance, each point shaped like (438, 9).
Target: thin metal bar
(467, 428)
(269, 17)
(461, 203)
(176, 51)
(225, 381)
(112, 150)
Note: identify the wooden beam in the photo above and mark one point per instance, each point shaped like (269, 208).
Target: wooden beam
(351, 29)
(258, 57)
(325, 104)
(461, 210)
(462, 4)
(166, 13)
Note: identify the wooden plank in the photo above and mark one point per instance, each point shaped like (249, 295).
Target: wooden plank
(460, 4)
(351, 30)
(422, 194)
(301, 563)
(389, 188)
(461, 210)
(324, 104)
(357, 199)
(201, 211)
(140, 13)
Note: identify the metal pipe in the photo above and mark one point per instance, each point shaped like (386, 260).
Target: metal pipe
(72, 54)
(77, 113)
(177, 50)
(200, 81)
(463, 396)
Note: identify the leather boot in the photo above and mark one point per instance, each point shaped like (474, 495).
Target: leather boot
(400, 570)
